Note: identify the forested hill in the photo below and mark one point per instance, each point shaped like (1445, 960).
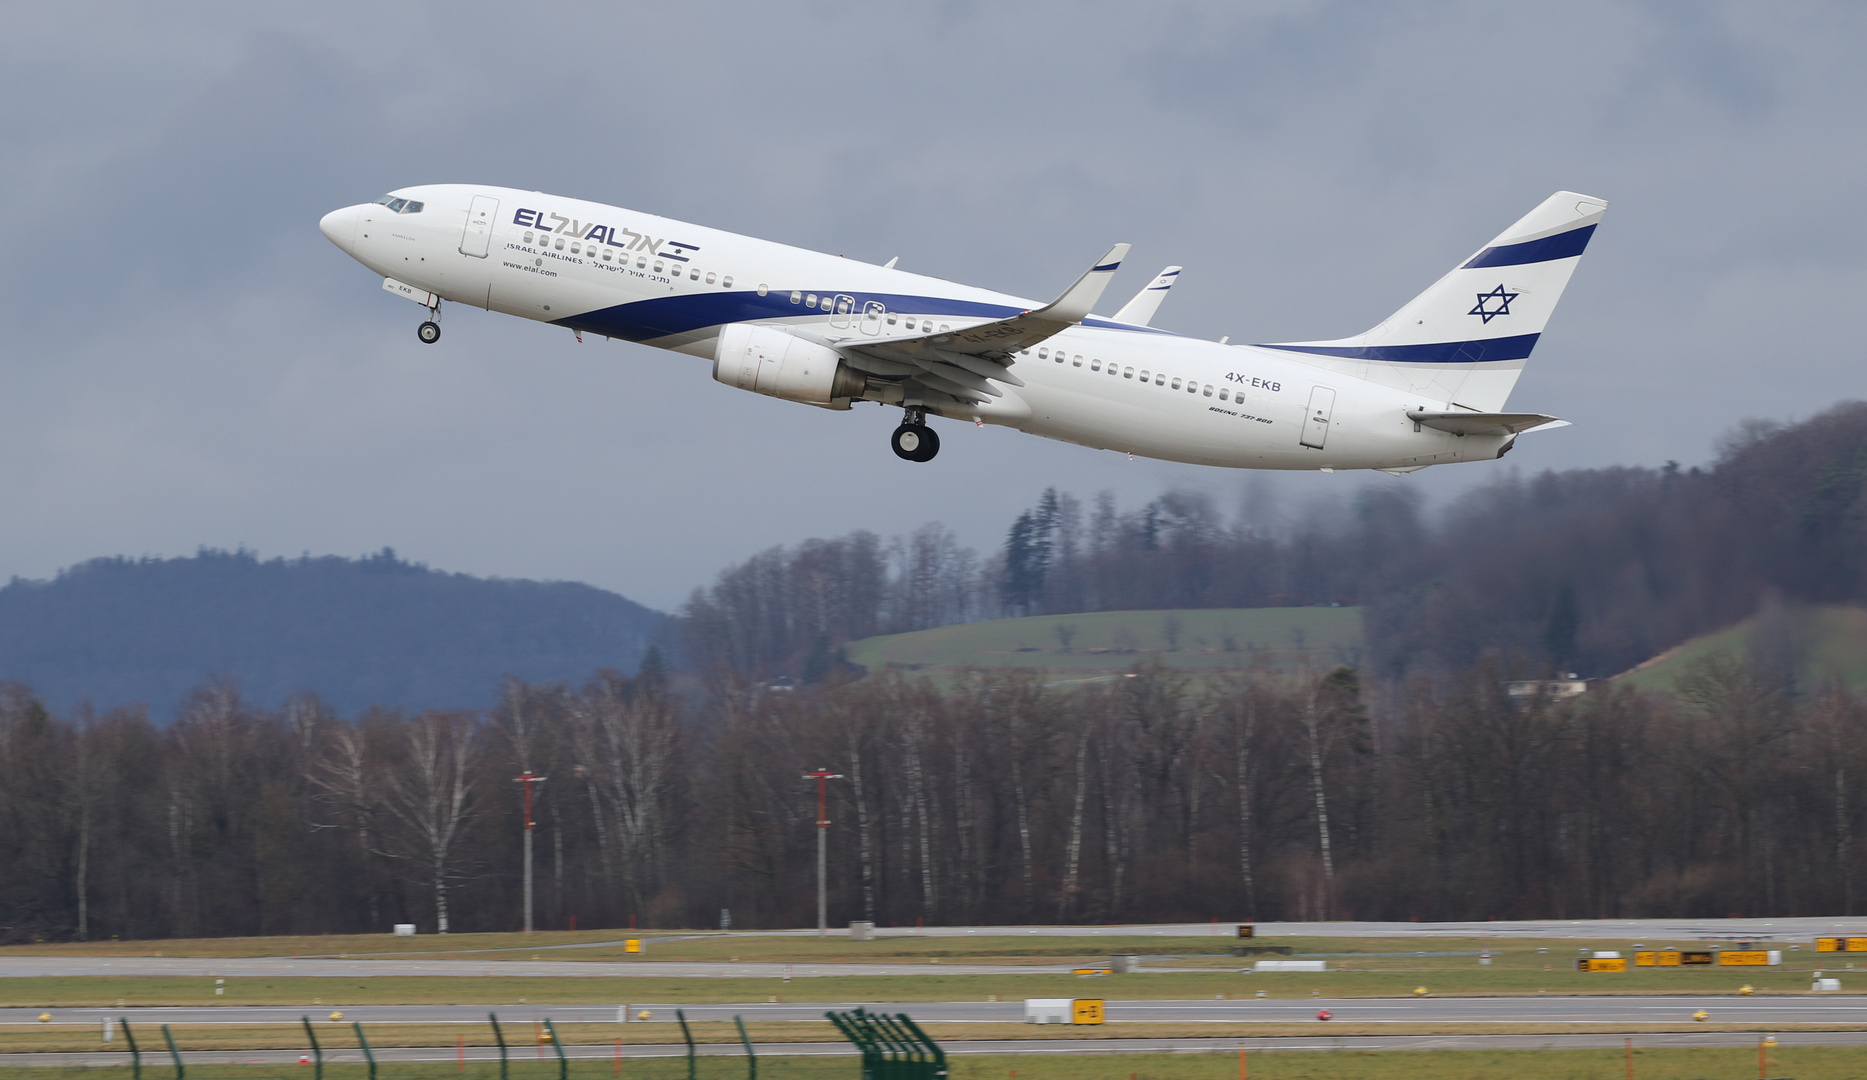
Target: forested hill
(1592, 570)
(358, 632)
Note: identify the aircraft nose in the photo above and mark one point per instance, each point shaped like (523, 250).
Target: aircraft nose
(341, 226)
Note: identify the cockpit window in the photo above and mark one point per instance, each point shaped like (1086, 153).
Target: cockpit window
(399, 206)
(413, 207)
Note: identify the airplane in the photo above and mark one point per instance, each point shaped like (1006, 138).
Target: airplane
(1428, 386)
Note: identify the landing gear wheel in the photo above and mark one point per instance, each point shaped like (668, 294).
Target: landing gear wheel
(430, 332)
(915, 442)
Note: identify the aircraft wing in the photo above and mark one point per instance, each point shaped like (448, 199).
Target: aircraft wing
(963, 363)
(1477, 423)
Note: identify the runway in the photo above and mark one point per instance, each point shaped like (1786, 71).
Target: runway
(1812, 1009)
(1801, 929)
(1319, 1041)
(34, 967)
(503, 962)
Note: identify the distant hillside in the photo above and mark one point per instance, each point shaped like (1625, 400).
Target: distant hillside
(1815, 644)
(1105, 641)
(358, 632)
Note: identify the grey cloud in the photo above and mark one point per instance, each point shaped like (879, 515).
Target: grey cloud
(188, 362)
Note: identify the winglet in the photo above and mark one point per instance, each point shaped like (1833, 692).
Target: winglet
(1138, 311)
(1075, 303)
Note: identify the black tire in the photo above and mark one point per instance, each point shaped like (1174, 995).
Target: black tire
(430, 332)
(914, 442)
(930, 444)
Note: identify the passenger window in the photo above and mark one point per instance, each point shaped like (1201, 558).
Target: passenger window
(573, 249)
(909, 324)
(810, 300)
(1095, 365)
(1192, 388)
(727, 283)
(1143, 374)
(660, 268)
(1043, 354)
(1059, 356)
(796, 296)
(1127, 373)
(606, 256)
(1225, 395)
(641, 262)
(943, 328)
(892, 320)
(560, 243)
(694, 275)
(709, 277)
(763, 289)
(1160, 380)
(528, 238)
(1208, 390)
(1176, 384)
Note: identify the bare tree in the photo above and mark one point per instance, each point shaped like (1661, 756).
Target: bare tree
(625, 742)
(431, 793)
(341, 777)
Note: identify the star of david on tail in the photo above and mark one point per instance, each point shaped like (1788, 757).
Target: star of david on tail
(1503, 304)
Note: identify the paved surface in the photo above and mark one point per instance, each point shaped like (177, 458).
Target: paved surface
(1812, 1009)
(24, 967)
(1319, 1041)
(494, 961)
(1630, 929)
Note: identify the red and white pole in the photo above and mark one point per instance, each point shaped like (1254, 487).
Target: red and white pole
(822, 777)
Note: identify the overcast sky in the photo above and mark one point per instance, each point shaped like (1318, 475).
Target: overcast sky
(188, 362)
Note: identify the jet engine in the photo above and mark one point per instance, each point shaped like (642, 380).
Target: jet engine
(769, 360)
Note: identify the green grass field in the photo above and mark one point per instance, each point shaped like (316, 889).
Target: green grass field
(1833, 641)
(1735, 1063)
(1104, 642)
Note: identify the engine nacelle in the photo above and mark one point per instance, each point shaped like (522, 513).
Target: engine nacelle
(768, 360)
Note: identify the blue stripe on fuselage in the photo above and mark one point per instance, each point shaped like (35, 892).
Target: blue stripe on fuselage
(1564, 245)
(1438, 352)
(665, 316)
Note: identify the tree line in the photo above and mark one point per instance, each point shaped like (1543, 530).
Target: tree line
(1593, 570)
(1150, 795)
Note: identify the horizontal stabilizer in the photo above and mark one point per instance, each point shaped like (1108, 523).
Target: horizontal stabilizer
(1141, 309)
(1477, 423)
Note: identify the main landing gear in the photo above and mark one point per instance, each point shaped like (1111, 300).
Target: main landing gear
(914, 440)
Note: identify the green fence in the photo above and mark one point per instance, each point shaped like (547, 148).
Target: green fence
(893, 1048)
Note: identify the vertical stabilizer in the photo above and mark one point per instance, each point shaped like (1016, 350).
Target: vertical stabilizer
(1465, 340)
(1140, 310)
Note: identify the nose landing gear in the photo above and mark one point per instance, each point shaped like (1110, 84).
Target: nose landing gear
(430, 331)
(914, 440)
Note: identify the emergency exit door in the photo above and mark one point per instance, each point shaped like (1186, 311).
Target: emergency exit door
(1316, 421)
(478, 235)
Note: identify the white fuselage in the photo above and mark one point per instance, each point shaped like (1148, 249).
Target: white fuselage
(620, 273)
